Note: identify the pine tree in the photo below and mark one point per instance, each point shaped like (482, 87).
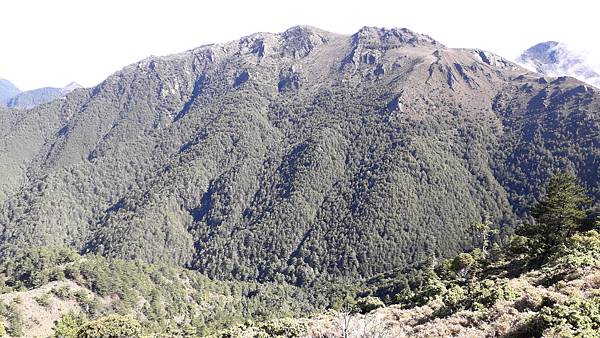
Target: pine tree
(557, 215)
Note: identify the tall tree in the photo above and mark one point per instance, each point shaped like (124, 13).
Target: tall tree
(557, 215)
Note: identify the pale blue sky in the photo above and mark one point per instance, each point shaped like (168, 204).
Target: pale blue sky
(51, 43)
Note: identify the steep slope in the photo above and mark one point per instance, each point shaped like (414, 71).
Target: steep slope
(557, 59)
(293, 156)
(32, 98)
(7, 90)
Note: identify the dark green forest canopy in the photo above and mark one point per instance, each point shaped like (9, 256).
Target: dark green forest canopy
(294, 157)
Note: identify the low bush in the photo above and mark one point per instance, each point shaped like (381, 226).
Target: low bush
(578, 318)
(368, 304)
(111, 326)
(68, 325)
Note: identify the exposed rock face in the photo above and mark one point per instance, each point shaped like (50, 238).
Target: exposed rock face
(293, 156)
(556, 59)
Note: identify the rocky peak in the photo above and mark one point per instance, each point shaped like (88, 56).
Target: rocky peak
(553, 58)
(70, 87)
(493, 59)
(299, 41)
(374, 37)
(545, 52)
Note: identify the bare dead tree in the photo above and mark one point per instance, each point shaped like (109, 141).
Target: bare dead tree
(344, 320)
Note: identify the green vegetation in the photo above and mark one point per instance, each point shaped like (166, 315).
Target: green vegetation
(577, 318)
(112, 326)
(14, 318)
(164, 299)
(581, 250)
(558, 216)
(281, 328)
(44, 300)
(68, 326)
(368, 304)
(556, 244)
(37, 267)
(125, 297)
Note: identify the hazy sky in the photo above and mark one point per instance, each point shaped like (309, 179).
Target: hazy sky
(51, 43)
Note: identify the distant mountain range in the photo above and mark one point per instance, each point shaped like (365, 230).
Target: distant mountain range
(13, 97)
(7, 90)
(557, 59)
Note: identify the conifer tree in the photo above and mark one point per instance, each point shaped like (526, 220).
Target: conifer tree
(557, 215)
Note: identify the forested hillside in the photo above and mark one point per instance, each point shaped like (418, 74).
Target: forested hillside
(299, 157)
(49, 291)
(541, 282)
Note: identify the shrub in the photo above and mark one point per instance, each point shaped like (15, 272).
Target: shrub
(281, 327)
(368, 304)
(284, 327)
(453, 299)
(88, 303)
(462, 263)
(44, 300)
(530, 301)
(431, 288)
(15, 320)
(579, 318)
(488, 292)
(519, 245)
(582, 249)
(111, 326)
(68, 325)
(63, 292)
(36, 267)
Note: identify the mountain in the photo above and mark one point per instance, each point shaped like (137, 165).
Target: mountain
(553, 58)
(32, 98)
(7, 90)
(295, 157)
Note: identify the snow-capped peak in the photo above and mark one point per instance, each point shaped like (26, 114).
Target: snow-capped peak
(554, 58)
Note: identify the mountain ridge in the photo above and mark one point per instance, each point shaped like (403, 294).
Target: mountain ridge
(31, 98)
(7, 90)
